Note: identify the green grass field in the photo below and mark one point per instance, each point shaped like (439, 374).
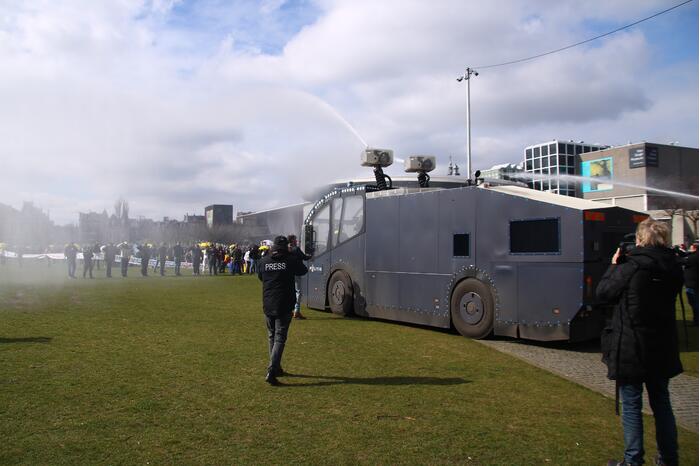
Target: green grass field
(170, 371)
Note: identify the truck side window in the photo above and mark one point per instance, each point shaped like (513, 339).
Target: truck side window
(336, 211)
(321, 227)
(540, 236)
(460, 245)
(353, 218)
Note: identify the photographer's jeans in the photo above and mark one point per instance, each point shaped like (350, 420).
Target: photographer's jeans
(277, 329)
(632, 426)
(297, 289)
(692, 295)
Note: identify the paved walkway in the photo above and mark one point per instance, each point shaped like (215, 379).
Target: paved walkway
(581, 363)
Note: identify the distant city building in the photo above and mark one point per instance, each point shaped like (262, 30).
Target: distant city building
(267, 224)
(503, 171)
(219, 215)
(196, 219)
(548, 159)
(636, 167)
(626, 172)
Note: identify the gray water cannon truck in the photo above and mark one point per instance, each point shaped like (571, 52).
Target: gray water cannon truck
(485, 258)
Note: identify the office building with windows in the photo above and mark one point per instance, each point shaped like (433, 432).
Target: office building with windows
(547, 160)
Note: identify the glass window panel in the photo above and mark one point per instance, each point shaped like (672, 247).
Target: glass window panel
(536, 151)
(562, 148)
(528, 153)
(586, 149)
(571, 160)
(460, 245)
(562, 159)
(321, 229)
(353, 217)
(570, 149)
(528, 165)
(536, 163)
(336, 210)
(570, 170)
(545, 150)
(577, 150)
(552, 160)
(553, 148)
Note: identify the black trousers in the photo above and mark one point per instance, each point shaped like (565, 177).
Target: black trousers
(162, 266)
(195, 267)
(108, 267)
(71, 267)
(87, 267)
(125, 266)
(144, 267)
(177, 266)
(277, 330)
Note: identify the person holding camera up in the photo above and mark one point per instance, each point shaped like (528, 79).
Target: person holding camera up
(277, 271)
(639, 342)
(690, 272)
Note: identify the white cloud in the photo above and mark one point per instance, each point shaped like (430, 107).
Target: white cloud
(103, 99)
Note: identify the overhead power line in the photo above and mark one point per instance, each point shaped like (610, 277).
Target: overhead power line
(512, 62)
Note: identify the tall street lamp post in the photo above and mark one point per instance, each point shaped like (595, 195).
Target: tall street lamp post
(466, 77)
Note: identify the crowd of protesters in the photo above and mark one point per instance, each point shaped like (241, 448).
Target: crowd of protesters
(203, 258)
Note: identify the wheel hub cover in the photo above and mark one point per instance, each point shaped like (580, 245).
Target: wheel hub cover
(338, 292)
(471, 308)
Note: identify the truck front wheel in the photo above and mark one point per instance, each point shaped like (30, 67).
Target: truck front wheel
(340, 294)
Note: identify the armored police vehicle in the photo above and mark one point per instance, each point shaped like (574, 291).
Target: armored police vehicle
(481, 257)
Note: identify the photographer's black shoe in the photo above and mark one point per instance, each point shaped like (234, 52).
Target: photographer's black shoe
(271, 379)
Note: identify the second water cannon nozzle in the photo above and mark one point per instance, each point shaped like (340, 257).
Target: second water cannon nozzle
(419, 163)
(377, 157)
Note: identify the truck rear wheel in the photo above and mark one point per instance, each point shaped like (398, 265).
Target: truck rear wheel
(471, 308)
(340, 294)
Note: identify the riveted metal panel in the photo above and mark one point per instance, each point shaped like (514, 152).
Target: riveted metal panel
(382, 226)
(382, 290)
(457, 215)
(495, 212)
(418, 232)
(422, 294)
(505, 279)
(544, 289)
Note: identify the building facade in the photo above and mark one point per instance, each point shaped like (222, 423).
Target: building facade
(549, 159)
(659, 179)
(218, 215)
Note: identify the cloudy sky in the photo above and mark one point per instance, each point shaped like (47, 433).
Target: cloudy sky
(178, 104)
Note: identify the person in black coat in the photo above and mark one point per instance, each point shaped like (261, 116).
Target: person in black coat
(87, 261)
(640, 342)
(109, 252)
(71, 253)
(145, 250)
(277, 271)
(178, 254)
(295, 250)
(196, 258)
(690, 275)
(162, 257)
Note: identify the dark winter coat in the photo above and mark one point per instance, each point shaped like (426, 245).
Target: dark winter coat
(277, 271)
(690, 270)
(639, 342)
(296, 251)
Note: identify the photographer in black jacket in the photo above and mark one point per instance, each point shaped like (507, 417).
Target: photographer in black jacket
(277, 271)
(639, 343)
